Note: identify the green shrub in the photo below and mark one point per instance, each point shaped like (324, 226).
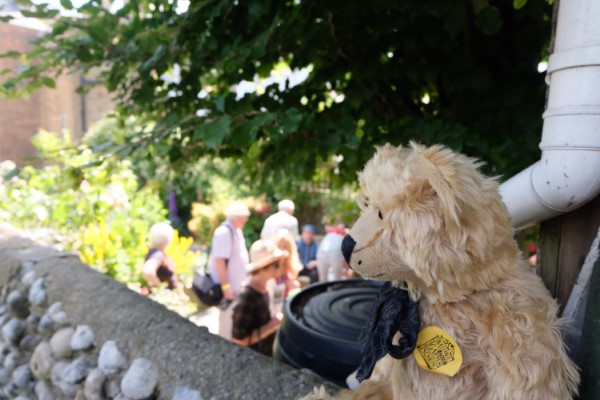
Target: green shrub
(99, 213)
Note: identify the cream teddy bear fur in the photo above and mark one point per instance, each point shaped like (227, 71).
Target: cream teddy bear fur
(431, 222)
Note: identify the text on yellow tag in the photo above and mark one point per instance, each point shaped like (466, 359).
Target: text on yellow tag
(437, 352)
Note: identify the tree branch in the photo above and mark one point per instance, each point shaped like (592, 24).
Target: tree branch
(332, 31)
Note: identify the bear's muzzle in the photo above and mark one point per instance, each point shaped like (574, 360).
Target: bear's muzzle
(347, 247)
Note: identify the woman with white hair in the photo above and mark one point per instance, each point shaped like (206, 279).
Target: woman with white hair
(158, 266)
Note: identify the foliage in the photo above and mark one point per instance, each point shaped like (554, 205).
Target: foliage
(205, 187)
(202, 190)
(208, 182)
(110, 251)
(340, 206)
(183, 255)
(100, 212)
(462, 73)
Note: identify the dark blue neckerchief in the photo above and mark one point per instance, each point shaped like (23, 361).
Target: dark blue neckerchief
(393, 311)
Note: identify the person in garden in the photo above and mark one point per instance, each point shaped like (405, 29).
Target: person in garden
(282, 219)
(330, 260)
(254, 325)
(290, 265)
(158, 266)
(228, 260)
(307, 250)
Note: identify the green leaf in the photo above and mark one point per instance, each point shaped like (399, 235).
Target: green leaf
(10, 54)
(98, 30)
(213, 133)
(60, 27)
(518, 4)
(175, 154)
(488, 20)
(159, 53)
(92, 164)
(66, 4)
(12, 173)
(455, 143)
(220, 104)
(291, 120)
(82, 89)
(9, 84)
(478, 5)
(5, 18)
(455, 18)
(163, 148)
(243, 136)
(255, 11)
(262, 120)
(49, 82)
(40, 13)
(255, 149)
(74, 177)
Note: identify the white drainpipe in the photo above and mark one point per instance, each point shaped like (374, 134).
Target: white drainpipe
(568, 174)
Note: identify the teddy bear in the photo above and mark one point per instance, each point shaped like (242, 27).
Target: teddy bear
(461, 316)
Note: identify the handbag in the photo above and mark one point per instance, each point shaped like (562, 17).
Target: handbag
(208, 291)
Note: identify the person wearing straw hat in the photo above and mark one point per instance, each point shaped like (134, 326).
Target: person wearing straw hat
(253, 324)
(228, 260)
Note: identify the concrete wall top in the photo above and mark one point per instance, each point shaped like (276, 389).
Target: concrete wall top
(185, 354)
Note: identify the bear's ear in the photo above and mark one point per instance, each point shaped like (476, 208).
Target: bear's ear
(438, 166)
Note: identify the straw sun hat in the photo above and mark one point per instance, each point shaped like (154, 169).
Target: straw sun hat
(263, 253)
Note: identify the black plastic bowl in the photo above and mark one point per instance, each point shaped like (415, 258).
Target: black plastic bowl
(321, 325)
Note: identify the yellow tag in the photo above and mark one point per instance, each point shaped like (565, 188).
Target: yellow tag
(437, 352)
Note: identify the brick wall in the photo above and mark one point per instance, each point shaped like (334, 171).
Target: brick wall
(48, 109)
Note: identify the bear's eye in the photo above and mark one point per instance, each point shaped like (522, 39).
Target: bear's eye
(380, 215)
(366, 204)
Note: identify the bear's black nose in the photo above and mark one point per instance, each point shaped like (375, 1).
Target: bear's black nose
(347, 247)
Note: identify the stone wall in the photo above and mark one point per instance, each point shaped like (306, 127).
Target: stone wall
(70, 332)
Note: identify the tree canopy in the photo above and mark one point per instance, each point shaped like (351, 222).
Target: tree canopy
(462, 73)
